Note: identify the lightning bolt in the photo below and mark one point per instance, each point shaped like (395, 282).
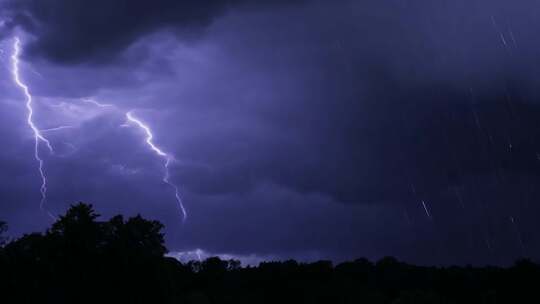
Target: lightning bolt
(166, 157)
(57, 128)
(38, 137)
(149, 141)
(97, 104)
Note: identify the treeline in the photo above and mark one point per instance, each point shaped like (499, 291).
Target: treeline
(83, 260)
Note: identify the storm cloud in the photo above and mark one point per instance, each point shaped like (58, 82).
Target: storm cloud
(73, 31)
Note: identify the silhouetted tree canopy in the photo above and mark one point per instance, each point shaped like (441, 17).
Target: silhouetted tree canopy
(81, 259)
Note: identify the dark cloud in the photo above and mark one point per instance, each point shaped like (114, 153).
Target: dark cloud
(71, 31)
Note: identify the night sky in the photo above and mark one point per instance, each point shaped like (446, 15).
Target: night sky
(299, 129)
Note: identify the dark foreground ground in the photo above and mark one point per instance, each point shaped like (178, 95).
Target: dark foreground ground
(82, 260)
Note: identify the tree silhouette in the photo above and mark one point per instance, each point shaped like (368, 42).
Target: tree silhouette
(82, 259)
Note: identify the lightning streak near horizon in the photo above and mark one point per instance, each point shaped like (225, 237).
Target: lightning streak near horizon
(38, 137)
(168, 159)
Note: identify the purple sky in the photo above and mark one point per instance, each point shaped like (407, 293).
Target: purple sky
(300, 129)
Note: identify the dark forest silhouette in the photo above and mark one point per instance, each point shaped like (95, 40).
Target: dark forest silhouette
(83, 260)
